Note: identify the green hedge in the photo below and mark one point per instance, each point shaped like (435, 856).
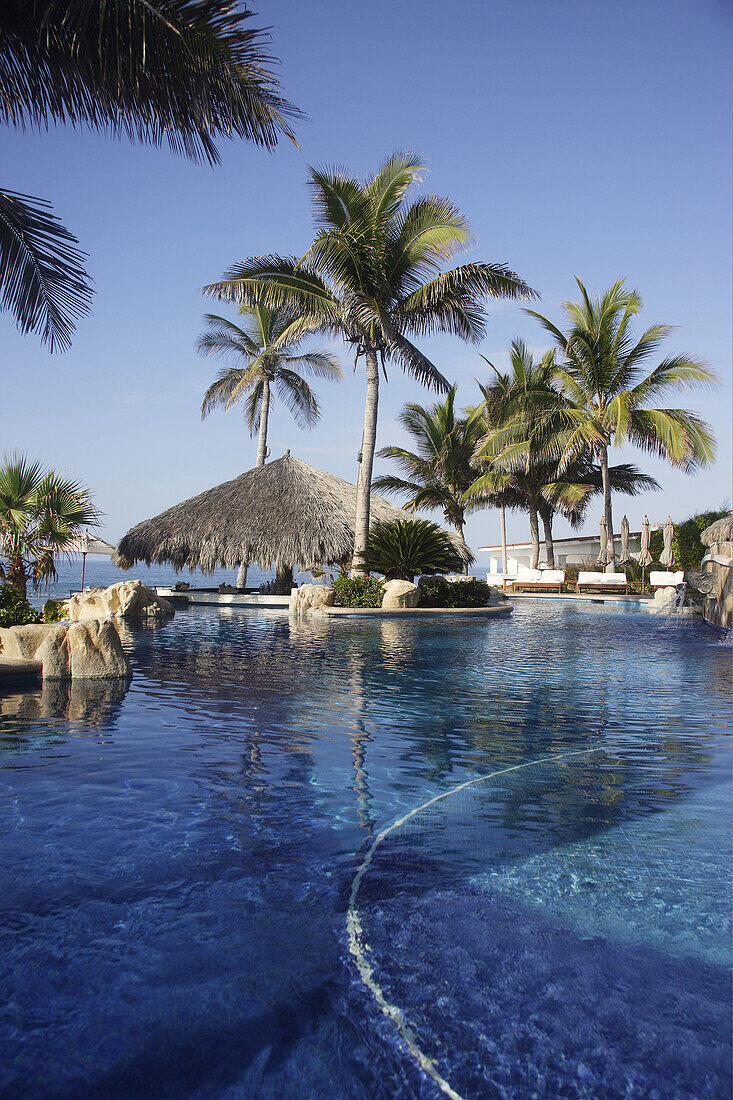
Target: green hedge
(15, 609)
(357, 591)
(438, 592)
(687, 548)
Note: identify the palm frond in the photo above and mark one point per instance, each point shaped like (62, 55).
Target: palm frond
(300, 399)
(42, 279)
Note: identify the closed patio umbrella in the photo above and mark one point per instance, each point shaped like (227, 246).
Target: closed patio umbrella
(604, 554)
(84, 544)
(645, 557)
(667, 557)
(624, 558)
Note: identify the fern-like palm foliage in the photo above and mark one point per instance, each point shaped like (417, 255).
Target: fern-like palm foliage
(185, 72)
(373, 275)
(441, 468)
(401, 549)
(609, 399)
(41, 512)
(267, 344)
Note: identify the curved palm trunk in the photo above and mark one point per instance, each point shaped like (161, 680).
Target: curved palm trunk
(459, 531)
(364, 481)
(607, 510)
(534, 528)
(546, 514)
(261, 453)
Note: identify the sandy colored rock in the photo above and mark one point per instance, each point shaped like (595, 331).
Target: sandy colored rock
(124, 600)
(87, 651)
(399, 594)
(310, 598)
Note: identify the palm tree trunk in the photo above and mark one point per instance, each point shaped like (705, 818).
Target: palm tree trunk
(364, 481)
(534, 528)
(264, 415)
(283, 578)
(546, 514)
(242, 574)
(459, 531)
(16, 576)
(607, 510)
(502, 513)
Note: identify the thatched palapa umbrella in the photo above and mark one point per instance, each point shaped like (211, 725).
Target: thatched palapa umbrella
(720, 531)
(285, 512)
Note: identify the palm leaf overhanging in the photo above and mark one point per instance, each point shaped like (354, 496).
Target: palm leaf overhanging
(373, 275)
(185, 72)
(42, 278)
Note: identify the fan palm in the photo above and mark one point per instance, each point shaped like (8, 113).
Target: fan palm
(441, 468)
(373, 276)
(402, 548)
(183, 71)
(607, 397)
(41, 512)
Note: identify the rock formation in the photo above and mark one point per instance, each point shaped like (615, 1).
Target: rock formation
(82, 650)
(124, 600)
(310, 598)
(398, 594)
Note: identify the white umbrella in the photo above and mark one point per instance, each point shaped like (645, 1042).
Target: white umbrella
(645, 557)
(84, 544)
(604, 554)
(667, 557)
(624, 559)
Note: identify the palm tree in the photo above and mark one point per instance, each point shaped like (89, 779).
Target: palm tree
(522, 418)
(268, 345)
(183, 71)
(607, 396)
(41, 512)
(372, 276)
(441, 468)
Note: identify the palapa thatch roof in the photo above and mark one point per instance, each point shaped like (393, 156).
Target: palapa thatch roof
(720, 531)
(283, 511)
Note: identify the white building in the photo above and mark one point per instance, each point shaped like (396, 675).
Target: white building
(577, 550)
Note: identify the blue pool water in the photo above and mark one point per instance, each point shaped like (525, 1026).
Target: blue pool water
(177, 859)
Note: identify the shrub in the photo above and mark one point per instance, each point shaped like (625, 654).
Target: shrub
(54, 611)
(438, 592)
(687, 548)
(15, 609)
(357, 591)
(403, 548)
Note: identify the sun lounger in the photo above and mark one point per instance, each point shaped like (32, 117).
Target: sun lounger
(501, 580)
(540, 578)
(609, 582)
(666, 580)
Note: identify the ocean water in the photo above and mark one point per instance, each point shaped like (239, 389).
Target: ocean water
(529, 819)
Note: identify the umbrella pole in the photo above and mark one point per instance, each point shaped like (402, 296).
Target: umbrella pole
(83, 568)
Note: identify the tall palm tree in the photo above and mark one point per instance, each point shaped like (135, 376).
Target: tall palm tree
(183, 71)
(607, 397)
(441, 468)
(522, 418)
(268, 345)
(41, 512)
(373, 276)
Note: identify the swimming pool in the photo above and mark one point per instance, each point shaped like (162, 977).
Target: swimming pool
(178, 859)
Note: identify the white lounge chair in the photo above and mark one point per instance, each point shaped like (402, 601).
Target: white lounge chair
(540, 578)
(501, 580)
(660, 579)
(609, 582)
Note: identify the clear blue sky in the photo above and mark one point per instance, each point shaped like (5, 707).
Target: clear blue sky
(579, 138)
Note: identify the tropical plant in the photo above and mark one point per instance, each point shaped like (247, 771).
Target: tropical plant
(15, 609)
(687, 548)
(523, 419)
(359, 591)
(607, 398)
(442, 468)
(438, 592)
(183, 71)
(41, 512)
(373, 276)
(268, 344)
(402, 548)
